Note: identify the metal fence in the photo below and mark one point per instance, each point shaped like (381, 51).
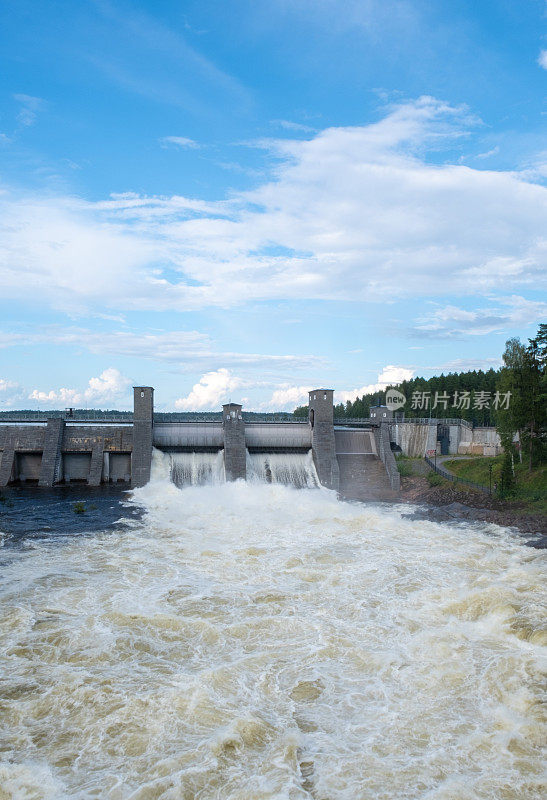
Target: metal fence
(125, 417)
(82, 416)
(444, 473)
(396, 420)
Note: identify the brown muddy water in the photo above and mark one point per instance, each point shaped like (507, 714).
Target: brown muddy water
(249, 641)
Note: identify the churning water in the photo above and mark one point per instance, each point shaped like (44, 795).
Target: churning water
(251, 641)
(191, 469)
(290, 469)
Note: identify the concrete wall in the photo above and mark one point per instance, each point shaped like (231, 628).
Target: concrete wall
(480, 442)
(17, 439)
(414, 439)
(455, 433)
(64, 452)
(24, 437)
(115, 438)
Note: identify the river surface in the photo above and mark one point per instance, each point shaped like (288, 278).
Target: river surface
(254, 641)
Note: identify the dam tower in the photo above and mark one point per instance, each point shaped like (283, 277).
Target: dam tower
(235, 453)
(143, 422)
(321, 420)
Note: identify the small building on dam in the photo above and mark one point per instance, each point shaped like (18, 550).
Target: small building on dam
(353, 457)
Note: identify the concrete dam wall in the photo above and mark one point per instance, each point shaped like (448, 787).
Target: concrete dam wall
(448, 437)
(356, 462)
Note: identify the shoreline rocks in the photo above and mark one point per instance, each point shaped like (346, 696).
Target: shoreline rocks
(452, 503)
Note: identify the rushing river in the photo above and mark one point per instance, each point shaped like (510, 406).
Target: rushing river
(253, 641)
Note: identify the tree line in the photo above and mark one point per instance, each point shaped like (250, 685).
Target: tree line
(447, 390)
(513, 398)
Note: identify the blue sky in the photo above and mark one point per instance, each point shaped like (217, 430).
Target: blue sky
(244, 200)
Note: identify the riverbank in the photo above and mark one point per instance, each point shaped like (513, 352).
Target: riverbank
(449, 501)
(530, 487)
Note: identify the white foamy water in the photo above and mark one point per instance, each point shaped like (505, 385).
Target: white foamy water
(193, 469)
(290, 469)
(250, 641)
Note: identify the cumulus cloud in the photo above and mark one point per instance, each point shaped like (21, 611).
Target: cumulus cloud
(179, 141)
(356, 213)
(451, 321)
(542, 59)
(107, 388)
(210, 392)
(286, 397)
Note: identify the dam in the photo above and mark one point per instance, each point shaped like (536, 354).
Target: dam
(352, 457)
(356, 461)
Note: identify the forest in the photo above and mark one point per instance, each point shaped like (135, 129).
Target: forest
(512, 398)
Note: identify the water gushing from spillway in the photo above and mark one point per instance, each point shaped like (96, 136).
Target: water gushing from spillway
(251, 641)
(290, 469)
(195, 468)
(201, 468)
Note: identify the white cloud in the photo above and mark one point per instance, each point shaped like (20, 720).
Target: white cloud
(389, 376)
(7, 385)
(293, 126)
(11, 393)
(210, 392)
(107, 388)
(451, 321)
(287, 397)
(542, 59)
(355, 213)
(489, 153)
(30, 106)
(188, 349)
(179, 141)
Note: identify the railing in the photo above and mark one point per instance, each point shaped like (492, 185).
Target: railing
(435, 421)
(124, 418)
(415, 420)
(43, 416)
(354, 421)
(444, 473)
(262, 420)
